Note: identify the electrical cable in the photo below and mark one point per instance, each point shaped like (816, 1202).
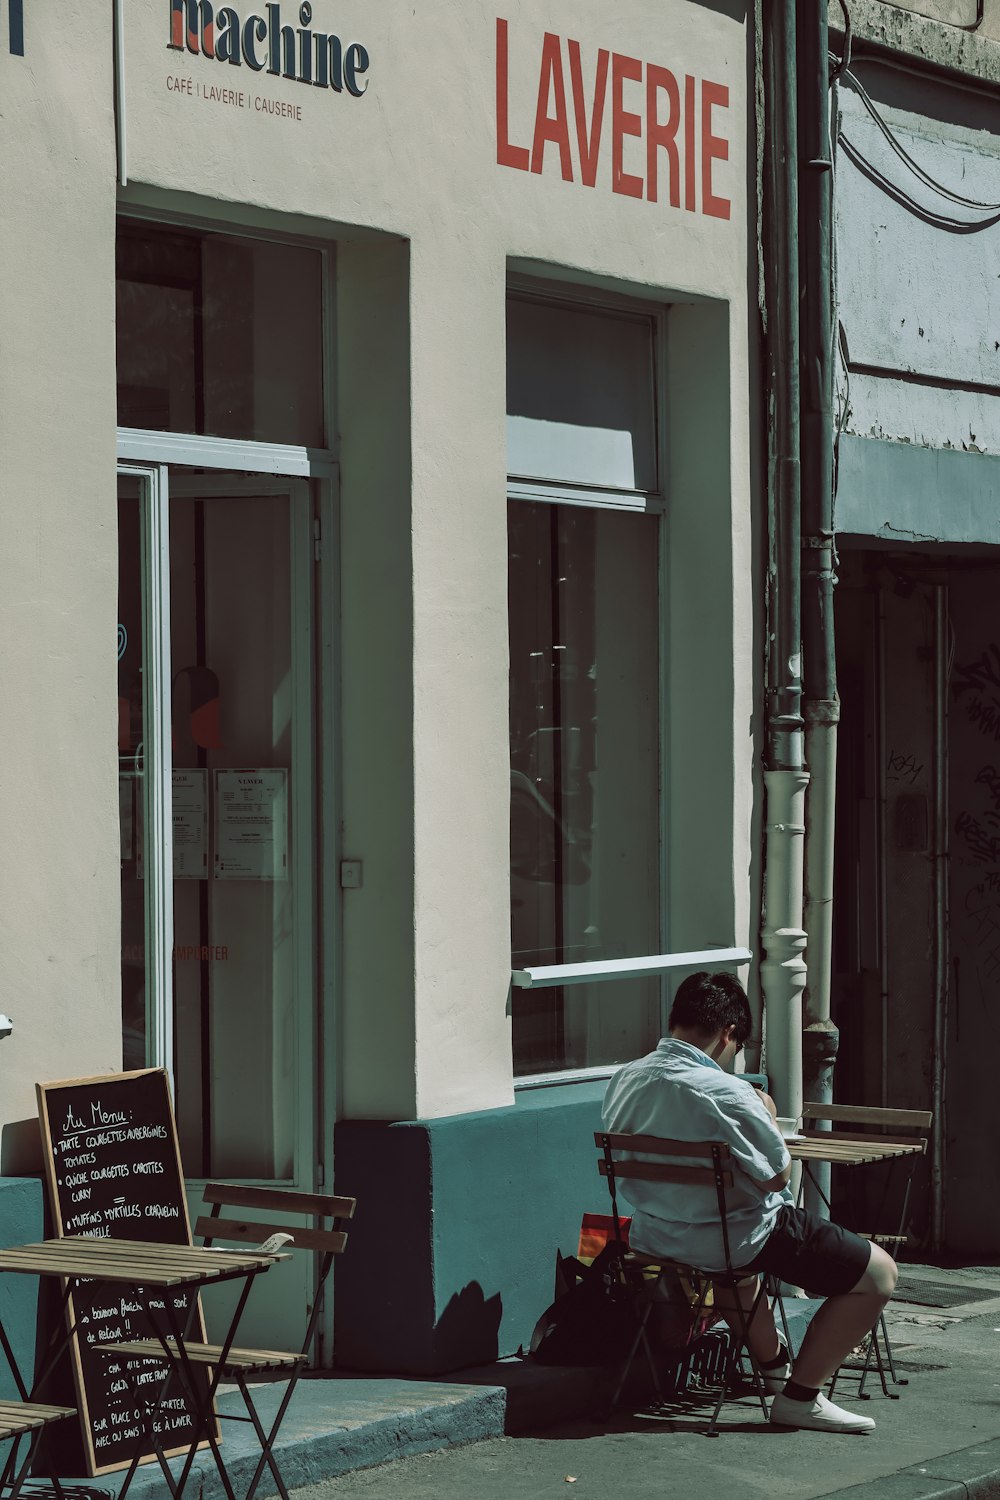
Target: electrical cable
(844, 61)
(905, 157)
(936, 220)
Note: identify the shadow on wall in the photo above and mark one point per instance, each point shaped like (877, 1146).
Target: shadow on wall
(21, 1149)
(468, 1330)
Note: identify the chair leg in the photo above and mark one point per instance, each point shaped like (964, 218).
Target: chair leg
(774, 1286)
(630, 1356)
(887, 1344)
(22, 1473)
(880, 1364)
(739, 1342)
(651, 1362)
(266, 1439)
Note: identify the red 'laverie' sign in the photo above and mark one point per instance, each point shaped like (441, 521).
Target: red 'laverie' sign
(674, 117)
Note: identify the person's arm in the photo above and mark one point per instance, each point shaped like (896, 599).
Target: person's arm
(766, 1100)
(775, 1184)
(757, 1143)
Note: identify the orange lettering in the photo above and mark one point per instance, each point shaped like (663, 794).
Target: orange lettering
(623, 123)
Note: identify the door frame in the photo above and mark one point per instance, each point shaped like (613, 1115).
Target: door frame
(263, 468)
(303, 769)
(270, 468)
(157, 756)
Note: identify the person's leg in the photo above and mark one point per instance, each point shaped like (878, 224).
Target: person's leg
(842, 1322)
(763, 1340)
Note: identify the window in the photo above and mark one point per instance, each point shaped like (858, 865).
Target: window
(219, 349)
(219, 334)
(584, 679)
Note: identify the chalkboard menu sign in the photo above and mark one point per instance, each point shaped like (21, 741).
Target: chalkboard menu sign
(114, 1170)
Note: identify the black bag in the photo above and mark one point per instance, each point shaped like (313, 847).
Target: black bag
(593, 1318)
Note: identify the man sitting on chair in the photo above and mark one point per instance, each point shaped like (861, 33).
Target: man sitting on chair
(685, 1090)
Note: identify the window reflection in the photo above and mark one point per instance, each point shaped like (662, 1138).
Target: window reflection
(219, 335)
(584, 775)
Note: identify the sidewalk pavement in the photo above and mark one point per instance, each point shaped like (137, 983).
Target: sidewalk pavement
(513, 1429)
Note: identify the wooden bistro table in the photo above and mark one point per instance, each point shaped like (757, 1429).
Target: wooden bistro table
(844, 1150)
(149, 1271)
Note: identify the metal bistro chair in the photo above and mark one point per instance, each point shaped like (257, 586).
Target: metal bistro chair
(242, 1365)
(617, 1161)
(914, 1123)
(20, 1419)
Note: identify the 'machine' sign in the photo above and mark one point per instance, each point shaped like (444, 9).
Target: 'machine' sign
(263, 42)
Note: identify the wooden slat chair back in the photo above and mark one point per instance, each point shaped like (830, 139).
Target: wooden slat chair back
(885, 1126)
(676, 1164)
(274, 1200)
(238, 1365)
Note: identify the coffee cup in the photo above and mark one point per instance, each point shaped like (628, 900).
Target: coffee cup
(789, 1125)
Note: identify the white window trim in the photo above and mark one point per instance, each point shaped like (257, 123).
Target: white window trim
(568, 1075)
(541, 976)
(556, 492)
(144, 446)
(545, 976)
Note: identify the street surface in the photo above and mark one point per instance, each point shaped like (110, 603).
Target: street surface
(949, 1354)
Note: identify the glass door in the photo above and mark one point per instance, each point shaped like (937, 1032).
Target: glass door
(216, 732)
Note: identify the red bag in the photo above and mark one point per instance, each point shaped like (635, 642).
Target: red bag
(597, 1231)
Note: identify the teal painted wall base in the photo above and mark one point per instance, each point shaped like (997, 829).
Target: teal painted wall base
(22, 1222)
(451, 1253)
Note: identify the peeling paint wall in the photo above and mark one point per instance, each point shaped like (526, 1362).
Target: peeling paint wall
(946, 32)
(919, 297)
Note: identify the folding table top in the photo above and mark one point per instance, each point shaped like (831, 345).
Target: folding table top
(134, 1261)
(849, 1153)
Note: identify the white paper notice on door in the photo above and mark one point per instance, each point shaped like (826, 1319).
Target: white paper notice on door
(190, 819)
(251, 824)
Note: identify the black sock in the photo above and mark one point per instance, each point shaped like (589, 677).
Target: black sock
(781, 1358)
(796, 1392)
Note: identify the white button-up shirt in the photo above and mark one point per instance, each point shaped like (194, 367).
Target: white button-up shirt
(679, 1092)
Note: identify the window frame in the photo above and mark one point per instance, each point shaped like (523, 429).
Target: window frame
(641, 502)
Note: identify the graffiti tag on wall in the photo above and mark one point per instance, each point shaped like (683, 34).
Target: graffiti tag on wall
(978, 688)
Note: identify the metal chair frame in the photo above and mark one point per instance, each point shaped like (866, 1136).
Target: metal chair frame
(718, 1175)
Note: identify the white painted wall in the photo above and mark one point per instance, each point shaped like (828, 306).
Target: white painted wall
(421, 370)
(59, 919)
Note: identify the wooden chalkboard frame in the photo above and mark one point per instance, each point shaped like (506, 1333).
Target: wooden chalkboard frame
(106, 1082)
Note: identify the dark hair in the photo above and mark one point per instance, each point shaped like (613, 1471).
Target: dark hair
(707, 1003)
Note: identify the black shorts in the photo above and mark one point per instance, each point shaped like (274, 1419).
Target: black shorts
(812, 1253)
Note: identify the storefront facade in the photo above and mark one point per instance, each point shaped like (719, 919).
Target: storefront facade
(421, 340)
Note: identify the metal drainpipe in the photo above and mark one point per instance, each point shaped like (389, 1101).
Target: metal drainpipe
(821, 710)
(940, 936)
(118, 24)
(783, 970)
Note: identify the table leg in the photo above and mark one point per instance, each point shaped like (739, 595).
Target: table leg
(59, 1341)
(153, 1413)
(204, 1416)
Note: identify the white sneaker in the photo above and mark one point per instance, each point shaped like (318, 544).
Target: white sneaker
(818, 1416)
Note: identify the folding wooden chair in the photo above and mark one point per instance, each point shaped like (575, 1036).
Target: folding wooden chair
(20, 1419)
(241, 1365)
(618, 1161)
(902, 1127)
